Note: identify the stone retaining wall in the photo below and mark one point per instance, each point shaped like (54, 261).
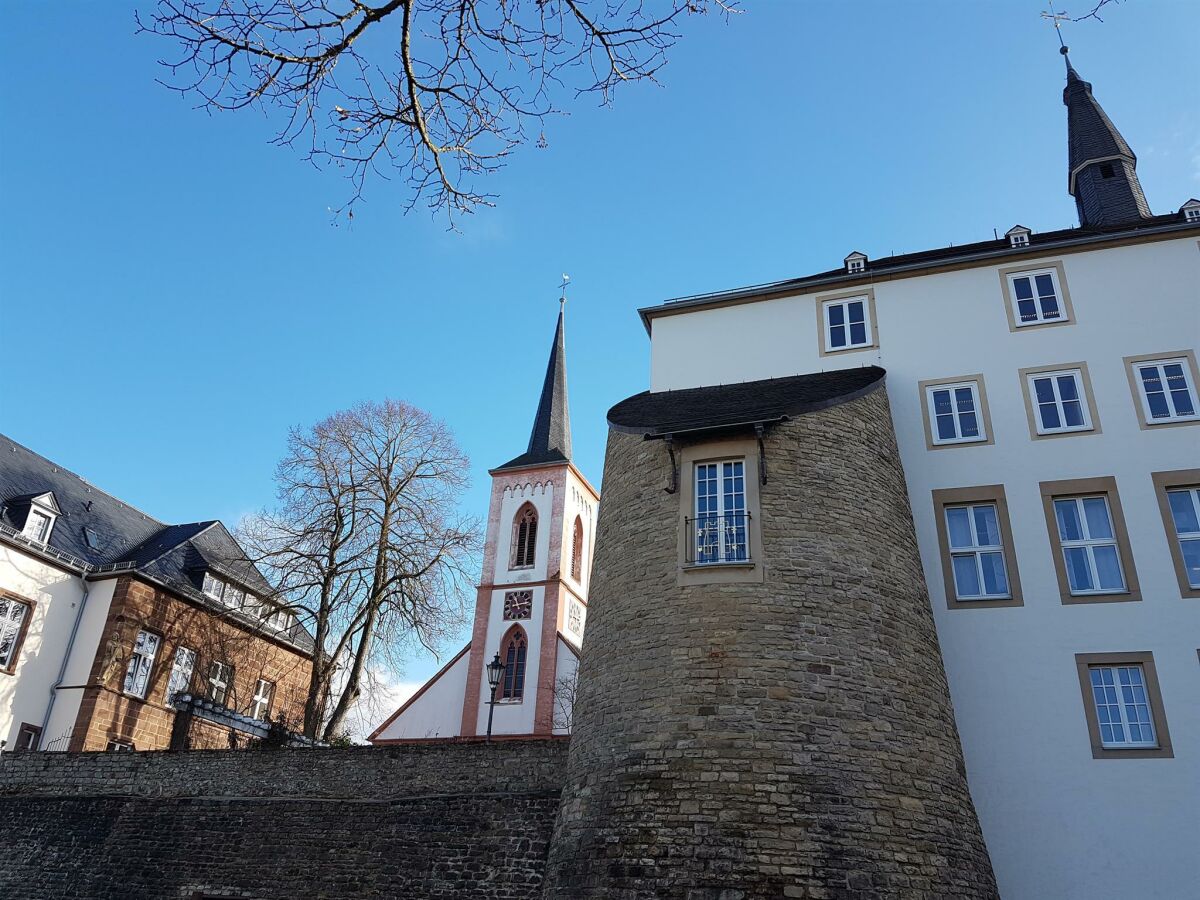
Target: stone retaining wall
(423, 821)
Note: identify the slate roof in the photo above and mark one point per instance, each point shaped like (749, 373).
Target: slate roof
(175, 556)
(550, 439)
(727, 406)
(1090, 132)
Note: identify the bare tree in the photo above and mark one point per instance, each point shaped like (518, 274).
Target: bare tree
(437, 91)
(564, 700)
(367, 545)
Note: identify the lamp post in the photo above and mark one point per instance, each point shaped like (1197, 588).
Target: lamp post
(495, 671)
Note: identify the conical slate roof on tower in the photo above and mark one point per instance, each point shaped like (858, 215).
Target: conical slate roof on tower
(550, 440)
(1101, 167)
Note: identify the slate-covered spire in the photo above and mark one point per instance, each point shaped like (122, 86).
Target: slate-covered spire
(1102, 169)
(550, 440)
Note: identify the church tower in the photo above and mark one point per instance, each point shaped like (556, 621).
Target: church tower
(531, 603)
(1102, 170)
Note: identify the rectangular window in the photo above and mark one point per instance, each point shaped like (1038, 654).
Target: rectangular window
(1185, 514)
(1036, 297)
(220, 681)
(141, 663)
(1123, 705)
(976, 547)
(14, 616)
(976, 552)
(847, 324)
(1167, 391)
(264, 693)
(1089, 545)
(37, 526)
(181, 672)
(118, 747)
(1060, 404)
(720, 528)
(954, 413)
(213, 587)
(29, 738)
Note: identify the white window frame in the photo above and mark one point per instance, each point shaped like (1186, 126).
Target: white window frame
(141, 664)
(118, 747)
(43, 520)
(721, 514)
(214, 587)
(1089, 545)
(854, 266)
(1159, 365)
(1059, 404)
(1182, 537)
(13, 613)
(1123, 696)
(976, 550)
(1191, 213)
(955, 413)
(1041, 319)
(264, 696)
(868, 325)
(183, 666)
(219, 673)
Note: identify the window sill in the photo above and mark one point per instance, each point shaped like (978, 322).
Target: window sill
(736, 564)
(1124, 596)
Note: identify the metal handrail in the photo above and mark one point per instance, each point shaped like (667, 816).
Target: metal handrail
(713, 539)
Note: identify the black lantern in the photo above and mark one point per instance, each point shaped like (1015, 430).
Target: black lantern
(495, 671)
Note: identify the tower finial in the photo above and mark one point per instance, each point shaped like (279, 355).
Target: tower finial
(1057, 19)
(562, 297)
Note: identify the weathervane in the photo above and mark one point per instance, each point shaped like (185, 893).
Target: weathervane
(562, 297)
(1057, 19)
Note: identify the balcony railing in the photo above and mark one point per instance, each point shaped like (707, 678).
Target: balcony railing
(718, 539)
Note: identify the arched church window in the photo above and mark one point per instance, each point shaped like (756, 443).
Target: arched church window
(513, 651)
(524, 536)
(577, 549)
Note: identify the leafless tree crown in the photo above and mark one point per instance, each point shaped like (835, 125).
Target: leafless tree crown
(435, 91)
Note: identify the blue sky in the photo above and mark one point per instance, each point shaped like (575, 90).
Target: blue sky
(173, 296)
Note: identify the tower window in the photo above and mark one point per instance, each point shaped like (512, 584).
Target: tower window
(524, 537)
(577, 549)
(514, 652)
(720, 532)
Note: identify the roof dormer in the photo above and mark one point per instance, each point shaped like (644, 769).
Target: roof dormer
(1191, 210)
(40, 518)
(1018, 236)
(856, 263)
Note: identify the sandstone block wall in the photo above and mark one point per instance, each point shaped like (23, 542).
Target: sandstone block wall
(426, 821)
(792, 738)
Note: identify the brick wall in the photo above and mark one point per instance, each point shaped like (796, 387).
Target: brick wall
(106, 714)
(422, 821)
(789, 738)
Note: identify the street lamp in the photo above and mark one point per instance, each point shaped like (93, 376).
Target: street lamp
(495, 671)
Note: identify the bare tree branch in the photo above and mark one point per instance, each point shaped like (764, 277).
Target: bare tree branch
(437, 92)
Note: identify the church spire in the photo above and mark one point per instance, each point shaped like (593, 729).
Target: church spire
(550, 440)
(1102, 169)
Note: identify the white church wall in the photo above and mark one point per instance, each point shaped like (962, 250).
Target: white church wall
(436, 711)
(540, 492)
(564, 687)
(1057, 822)
(513, 717)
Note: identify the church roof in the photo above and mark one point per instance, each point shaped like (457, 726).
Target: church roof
(1091, 135)
(728, 406)
(550, 440)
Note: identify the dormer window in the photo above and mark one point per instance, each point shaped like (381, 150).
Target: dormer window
(1018, 236)
(227, 593)
(43, 511)
(856, 263)
(1191, 211)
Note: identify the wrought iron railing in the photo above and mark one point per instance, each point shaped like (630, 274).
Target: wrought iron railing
(718, 539)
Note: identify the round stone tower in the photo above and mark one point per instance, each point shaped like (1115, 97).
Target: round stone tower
(762, 710)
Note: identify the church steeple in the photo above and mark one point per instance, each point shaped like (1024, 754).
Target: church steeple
(1102, 169)
(550, 440)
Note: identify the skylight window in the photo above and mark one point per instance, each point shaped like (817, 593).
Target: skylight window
(91, 538)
